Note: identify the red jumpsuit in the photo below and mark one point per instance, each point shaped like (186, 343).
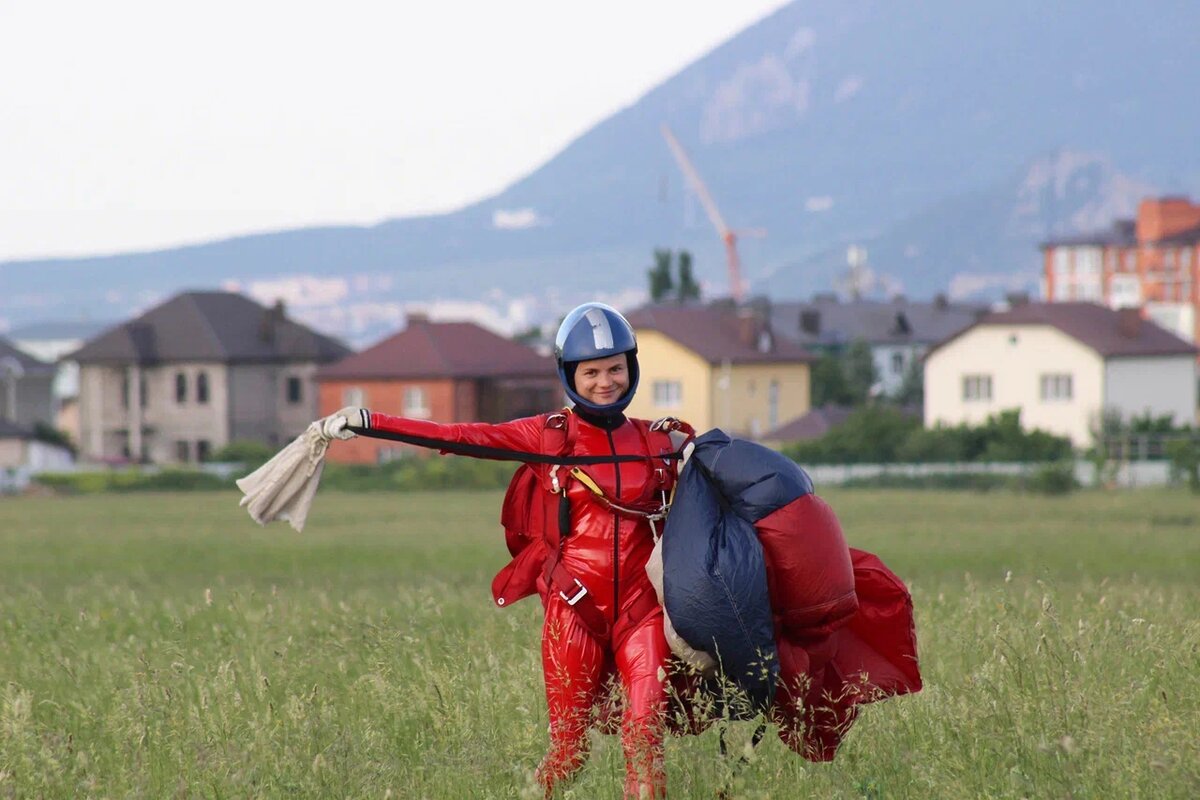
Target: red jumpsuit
(607, 552)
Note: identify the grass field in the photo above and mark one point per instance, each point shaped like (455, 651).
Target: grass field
(165, 646)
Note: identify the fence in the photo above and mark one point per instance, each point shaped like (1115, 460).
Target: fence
(1129, 474)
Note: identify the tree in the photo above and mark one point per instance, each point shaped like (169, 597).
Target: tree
(661, 282)
(912, 386)
(829, 382)
(859, 368)
(688, 288)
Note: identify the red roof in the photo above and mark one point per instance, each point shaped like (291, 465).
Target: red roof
(1111, 333)
(427, 349)
(717, 334)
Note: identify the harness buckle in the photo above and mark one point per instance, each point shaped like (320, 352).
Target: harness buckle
(579, 595)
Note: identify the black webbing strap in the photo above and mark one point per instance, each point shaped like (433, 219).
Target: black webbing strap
(500, 454)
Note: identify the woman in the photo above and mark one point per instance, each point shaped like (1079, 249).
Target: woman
(601, 611)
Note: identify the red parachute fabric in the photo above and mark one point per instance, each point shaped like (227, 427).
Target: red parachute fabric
(825, 676)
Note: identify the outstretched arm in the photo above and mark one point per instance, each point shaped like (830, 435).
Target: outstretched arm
(517, 436)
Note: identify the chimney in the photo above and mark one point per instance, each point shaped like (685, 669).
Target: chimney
(749, 325)
(1161, 217)
(1129, 322)
(272, 318)
(810, 321)
(940, 302)
(1015, 299)
(416, 318)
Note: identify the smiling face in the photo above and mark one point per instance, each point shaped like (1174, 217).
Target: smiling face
(603, 380)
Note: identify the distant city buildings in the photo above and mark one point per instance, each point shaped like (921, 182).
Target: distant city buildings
(1152, 262)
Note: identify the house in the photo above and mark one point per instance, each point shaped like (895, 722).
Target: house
(49, 342)
(899, 331)
(718, 366)
(440, 371)
(1152, 262)
(195, 373)
(26, 388)
(1062, 365)
(21, 453)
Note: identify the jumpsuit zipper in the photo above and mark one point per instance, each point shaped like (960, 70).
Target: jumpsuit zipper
(616, 533)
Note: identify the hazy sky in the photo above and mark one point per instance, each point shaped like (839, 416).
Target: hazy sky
(133, 125)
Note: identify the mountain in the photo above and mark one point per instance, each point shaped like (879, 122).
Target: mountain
(947, 137)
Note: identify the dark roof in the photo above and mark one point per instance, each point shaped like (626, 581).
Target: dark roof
(876, 322)
(11, 430)
(813, 425)
(1095, 326)
(29, 364)
(1122, 233)
(427, 349)
(718, 334)
(210, 326)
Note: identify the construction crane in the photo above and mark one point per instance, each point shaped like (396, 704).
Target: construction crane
(729, 236)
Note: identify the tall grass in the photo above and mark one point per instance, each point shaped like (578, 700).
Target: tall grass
(165, 646)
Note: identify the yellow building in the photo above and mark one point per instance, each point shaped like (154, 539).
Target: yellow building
(716, 367)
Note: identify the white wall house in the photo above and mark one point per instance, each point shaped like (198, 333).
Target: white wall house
(1062, 365)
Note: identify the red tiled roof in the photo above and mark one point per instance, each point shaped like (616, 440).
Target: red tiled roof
(442, 350)
(716, 334)
(1096, 326)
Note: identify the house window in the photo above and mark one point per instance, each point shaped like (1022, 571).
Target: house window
(143, 392)
(897, 363)
(125, 391)
(416, 402)
(1057, 387)
(1062, 261)
(181, 451)
(977, 387)
(203, 450)
(202, 388)
(354, 396)
(1087, 260)
(180, 388)
(668, 394)
(295, 390)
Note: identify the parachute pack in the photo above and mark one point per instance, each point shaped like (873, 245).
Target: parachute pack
(756, 574)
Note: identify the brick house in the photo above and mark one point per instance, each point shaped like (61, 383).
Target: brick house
(195, 373)
(1152, 262)
(440, 371)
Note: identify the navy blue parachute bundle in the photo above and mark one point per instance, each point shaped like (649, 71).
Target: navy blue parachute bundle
(715, 587)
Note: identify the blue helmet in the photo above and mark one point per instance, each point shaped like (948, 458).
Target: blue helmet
(590, 331)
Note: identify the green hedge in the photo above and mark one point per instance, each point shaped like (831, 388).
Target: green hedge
(1056, 478)
(410, 474)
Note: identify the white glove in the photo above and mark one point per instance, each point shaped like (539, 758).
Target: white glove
(334, 426)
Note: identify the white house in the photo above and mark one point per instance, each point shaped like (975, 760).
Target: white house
(1062, 364)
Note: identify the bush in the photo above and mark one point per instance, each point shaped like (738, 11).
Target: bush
(1184, 454)
(880, 435)
(245, 451)
(1053, 479)
(167, 480)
